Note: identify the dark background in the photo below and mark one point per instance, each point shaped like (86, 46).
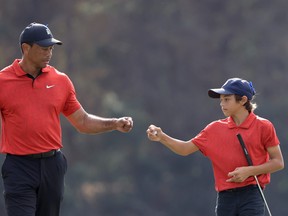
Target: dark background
(155, 61)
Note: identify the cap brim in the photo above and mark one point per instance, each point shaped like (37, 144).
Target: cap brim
(48, 42)
(215, 93)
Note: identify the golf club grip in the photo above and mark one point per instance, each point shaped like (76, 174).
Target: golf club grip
(248, 158)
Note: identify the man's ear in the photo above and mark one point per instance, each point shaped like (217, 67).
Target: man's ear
(25, 47)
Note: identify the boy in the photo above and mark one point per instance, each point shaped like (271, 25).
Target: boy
(237, 189)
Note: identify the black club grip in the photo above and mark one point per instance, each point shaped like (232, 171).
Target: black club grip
(248, 158)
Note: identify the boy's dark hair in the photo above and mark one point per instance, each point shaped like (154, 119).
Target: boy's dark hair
(248, 105)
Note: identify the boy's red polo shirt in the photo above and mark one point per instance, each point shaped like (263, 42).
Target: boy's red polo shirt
(218, 141)
(31, 108)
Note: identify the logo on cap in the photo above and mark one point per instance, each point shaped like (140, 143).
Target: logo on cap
(48, 31)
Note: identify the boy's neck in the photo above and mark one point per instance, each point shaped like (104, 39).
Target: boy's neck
(240, 117)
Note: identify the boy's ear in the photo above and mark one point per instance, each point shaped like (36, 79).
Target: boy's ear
(244, 100)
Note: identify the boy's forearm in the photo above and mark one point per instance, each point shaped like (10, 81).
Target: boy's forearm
(271, 166)
(178, 146)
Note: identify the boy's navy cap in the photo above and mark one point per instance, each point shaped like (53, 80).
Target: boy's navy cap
(235, 86)
(39, 34)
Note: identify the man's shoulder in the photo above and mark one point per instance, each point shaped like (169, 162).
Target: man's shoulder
(52, 69)
(57, 76)
(53, 72)
(7, 71)
(11, 68)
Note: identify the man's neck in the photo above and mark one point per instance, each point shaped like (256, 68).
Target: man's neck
(29, 68)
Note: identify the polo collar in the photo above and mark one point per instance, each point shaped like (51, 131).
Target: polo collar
(245, 125)
(18, 70)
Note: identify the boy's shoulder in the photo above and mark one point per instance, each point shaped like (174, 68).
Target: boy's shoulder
(262, 120)
(218, 123)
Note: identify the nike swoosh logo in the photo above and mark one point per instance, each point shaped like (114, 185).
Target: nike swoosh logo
(49, 86)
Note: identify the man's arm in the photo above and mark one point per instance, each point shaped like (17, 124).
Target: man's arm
(92, 124)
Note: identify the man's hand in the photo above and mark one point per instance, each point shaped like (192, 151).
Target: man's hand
(124, 124)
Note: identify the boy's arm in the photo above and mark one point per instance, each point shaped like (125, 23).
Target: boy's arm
(274, 164)
(178, 146)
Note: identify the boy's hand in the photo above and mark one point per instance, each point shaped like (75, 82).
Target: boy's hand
(240, 174)
(154, 133)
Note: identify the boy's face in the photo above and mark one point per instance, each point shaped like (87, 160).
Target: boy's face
(230, 106)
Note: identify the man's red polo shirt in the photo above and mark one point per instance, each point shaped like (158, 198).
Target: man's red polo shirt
(31, 108)
(218, 141)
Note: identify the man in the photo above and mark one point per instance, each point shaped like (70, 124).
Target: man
(33, 94)
(238, 194)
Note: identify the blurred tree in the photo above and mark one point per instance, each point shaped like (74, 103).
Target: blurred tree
(155, 60)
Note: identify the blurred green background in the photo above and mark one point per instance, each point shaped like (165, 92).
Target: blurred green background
(155, 61)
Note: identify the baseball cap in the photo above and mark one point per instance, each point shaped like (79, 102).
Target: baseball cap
(39, 34)
(235, 86)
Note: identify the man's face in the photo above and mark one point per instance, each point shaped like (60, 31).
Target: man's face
(37, 55)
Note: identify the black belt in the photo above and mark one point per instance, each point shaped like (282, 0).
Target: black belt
(40, 155)
(240, 188)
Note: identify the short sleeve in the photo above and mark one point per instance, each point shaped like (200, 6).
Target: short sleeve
(71, 104)
(269, 136)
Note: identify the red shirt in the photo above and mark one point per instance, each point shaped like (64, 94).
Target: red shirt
(31, 108)
(218, 141)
